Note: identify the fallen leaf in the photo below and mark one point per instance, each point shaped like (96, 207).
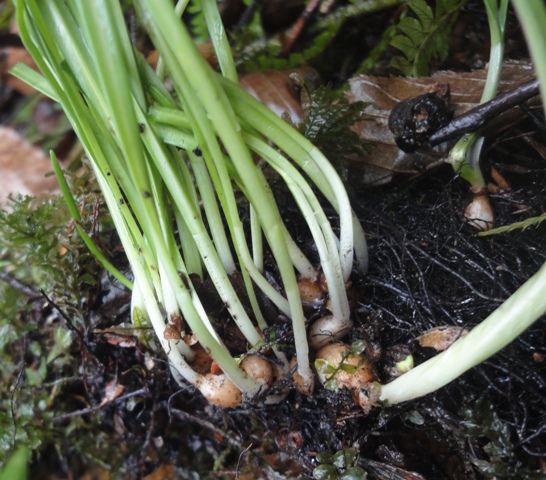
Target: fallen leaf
(23, 166)
(11, 56)
(123, 341)
(441, 338)
(278, 91)
(383, 93)
(113, 390)
(164, 472)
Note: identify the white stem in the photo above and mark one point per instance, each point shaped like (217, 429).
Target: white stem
(257, 240)
(314, 164)
(321, 230)
(212, 212)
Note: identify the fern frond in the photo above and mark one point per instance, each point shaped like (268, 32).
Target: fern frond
(514, 226)
(327, 121)
(257, 55)
(198, 26)
(423, 36)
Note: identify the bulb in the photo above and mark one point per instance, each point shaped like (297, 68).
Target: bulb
(258, 368)
(219, 390)
(346, 370)
(310, 291)
(479, 213)
(328, 329)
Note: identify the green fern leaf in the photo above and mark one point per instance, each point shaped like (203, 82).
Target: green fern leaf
(405, 45)
(197, 22)
(327, 121)
(255, 55)
(400, 63)
(514, 226)
(424, 12)
(423, 36)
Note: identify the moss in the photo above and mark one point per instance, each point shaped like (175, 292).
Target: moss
(40, 342)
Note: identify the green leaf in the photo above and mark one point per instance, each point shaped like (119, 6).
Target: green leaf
(345, 458)
(325, 472)
(325, 367)
(17, 466)
(358, 347)
(424, 13)
(197, 22)
(350, 369)
(423, 34)
(327, 121)
(324, 457)
(405, 45)
(354, 473)
(400, 63)
(513, 226)
(413, 29)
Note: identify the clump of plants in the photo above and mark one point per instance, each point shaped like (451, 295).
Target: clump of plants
(174, 167)
(180, 169)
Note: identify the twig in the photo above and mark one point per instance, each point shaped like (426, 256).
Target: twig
(479, 116)
(12, 399)
(239, 461)
(84, 411)
(66, 318)
(299, 26)
(248, 14)
(181, 415)
(84, 346)
(20, 286)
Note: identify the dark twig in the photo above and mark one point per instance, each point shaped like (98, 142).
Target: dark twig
(248, 14)
(239, 461)
(479, 116)
(299, 26)
(79, 413)
(13, 395)
(82, 341)
(66, 318)
(20, 286)
(182, 415)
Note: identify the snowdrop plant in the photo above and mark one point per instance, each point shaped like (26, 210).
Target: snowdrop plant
(167, 163)
(172, 166)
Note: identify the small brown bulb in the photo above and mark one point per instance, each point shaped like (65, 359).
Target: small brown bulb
(479, 212)
(352, 371)
(328, 329)
(258, 368)
(310, 291)
(219, 390)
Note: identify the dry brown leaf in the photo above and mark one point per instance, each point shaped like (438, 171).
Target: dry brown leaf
(95, 473)
(11, 56)
(123, 341)
(278, 91)
(113, 390)
(441, 338)
(383, 93)
(23, 166)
